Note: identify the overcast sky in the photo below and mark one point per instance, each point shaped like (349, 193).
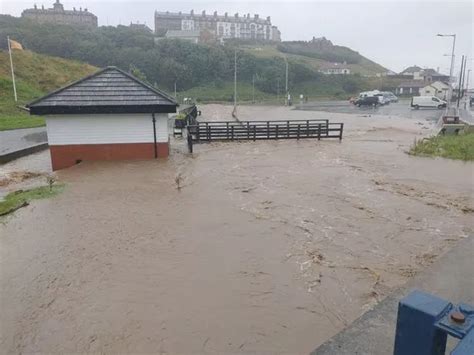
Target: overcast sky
(395, 34)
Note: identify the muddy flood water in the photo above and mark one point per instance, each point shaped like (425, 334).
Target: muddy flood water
(267, 247)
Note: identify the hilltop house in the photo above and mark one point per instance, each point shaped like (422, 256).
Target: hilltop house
(335, 68)
(140, 27)
(188, 35)
(410, 87)
(427, 74)
(437, 88)
(222, 27)
(57, 15)
(109, 115)
(410, 71)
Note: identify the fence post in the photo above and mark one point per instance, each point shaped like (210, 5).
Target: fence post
(340, 132)
(298, 132)
(198, 132)
(208, 132)
(248, 130)
(268, 129)
(232, 132)
(227, 129)
(288, 129)
(190, 143)
(319, 131)
(307, 128)
(276, 132)
(254, 132)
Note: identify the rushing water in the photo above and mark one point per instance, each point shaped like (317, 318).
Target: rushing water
(269, 246)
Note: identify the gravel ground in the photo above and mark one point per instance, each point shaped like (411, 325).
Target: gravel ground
(267, 247)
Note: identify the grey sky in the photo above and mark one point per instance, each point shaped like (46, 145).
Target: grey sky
(395, 34)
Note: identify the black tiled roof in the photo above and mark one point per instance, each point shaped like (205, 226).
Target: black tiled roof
(110, 90)
(413, 84)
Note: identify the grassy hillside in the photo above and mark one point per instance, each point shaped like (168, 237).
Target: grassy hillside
(36, 74)
(205, 68)
(312, 56)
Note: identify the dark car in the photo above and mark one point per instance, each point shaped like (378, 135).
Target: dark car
(367, 101)
(471, 101)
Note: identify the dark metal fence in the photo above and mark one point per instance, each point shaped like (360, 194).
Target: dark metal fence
(256, 130)
(203, 132)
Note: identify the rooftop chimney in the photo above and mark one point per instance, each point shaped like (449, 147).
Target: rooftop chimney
(255, 16)
(269, 19)
(225, 15)
(35, 7)
(236, 15)
(192, 12)
(215, 13)
(73, 9)
(204, 13)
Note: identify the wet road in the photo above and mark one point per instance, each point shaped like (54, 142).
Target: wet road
(17, 139)
(268, 247)
(400, 109)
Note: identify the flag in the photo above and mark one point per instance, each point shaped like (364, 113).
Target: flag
(15, 45)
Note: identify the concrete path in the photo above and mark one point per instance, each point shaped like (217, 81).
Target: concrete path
(450, 278)
(18, 139)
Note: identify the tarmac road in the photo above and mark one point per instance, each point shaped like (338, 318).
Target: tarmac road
(400, 109)
(17, 139)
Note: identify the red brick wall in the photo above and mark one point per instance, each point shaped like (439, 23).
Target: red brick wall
(64, 156)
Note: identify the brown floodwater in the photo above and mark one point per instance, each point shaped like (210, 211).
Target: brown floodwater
(266, 247)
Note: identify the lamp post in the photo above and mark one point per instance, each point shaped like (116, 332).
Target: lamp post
(286, 81)
(450, 92)
(467, 80)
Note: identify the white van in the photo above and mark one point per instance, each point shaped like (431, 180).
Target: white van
(427, 101)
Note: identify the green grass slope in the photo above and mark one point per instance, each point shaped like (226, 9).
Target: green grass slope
(314, 58)
(36, 75)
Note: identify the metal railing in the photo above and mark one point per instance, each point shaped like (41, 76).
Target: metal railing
(203, 132)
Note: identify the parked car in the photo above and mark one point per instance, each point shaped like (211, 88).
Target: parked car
(367, 101)
(427, 101)
(383, 98)
(391, 96)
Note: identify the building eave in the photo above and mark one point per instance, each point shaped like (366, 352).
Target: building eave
(77, 110)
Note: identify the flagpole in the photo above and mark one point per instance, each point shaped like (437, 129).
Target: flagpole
(11, 66)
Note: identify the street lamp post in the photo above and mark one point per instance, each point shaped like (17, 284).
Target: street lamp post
(451, 70)
(286, 81)
(467, 80)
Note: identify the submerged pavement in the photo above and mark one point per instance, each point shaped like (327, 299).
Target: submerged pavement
(450, 278)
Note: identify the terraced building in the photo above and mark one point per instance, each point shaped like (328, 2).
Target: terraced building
(222, 27)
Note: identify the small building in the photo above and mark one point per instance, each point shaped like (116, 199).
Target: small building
(438, 88)
(427, 74)
(276, 34)
(411, 71)
(140, 27)
(190, 35)
(335, 68)
(57, 15)
(109, 115)
(410, 88)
